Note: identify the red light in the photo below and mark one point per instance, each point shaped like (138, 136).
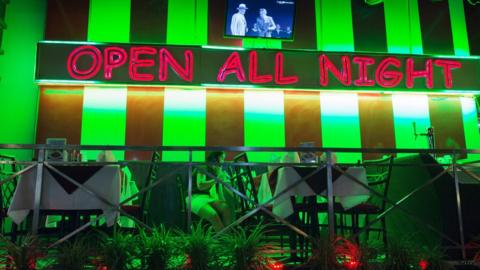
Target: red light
(95, 66)
(166, 59)
(279, 78)
(344, 76)
(352, 265)
(114, 57)
(388, 78)
(276, 266)
(447, 66)
(423, 264)
(136, 62)
(363, 62)
(232, 65)
(412, 73)
(252, 74)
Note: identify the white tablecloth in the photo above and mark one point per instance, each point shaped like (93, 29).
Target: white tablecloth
(347, 192)
(105, 183)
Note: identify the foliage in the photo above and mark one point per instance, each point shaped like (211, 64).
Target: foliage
(74, 255)
(200, 248)
(401, 256)
(155, 249)
(323, 255)
(347, 254)
(21, 256)
(116, 252)
(244, 250)
(434, 259)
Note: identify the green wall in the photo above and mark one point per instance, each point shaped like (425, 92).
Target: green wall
(187, 24)
(18, 92)
(104, 114)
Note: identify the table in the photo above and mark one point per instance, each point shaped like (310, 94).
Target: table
(347, 192)
(59, 194)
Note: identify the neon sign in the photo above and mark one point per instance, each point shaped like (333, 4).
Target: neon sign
(142, 64)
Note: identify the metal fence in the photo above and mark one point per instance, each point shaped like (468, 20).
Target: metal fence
(452, 167)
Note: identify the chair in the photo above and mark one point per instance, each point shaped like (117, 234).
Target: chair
(6, 194)
(141, 211)
(244, 182)
(378, 174)
(306, 211)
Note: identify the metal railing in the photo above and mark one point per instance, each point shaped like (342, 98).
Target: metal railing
(453, 167)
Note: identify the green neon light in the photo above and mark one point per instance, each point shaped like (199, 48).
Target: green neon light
(470, 126)
(337, 25)
(264, 122)
(409, 109)
(187, 22)
(341, 124)
(223, 48)
(231, 85)
(104, 118)
(77, 82)
(62, 92)
(72, 42)
(459, 27)
(261, 43)
(109, 21)
(262, 88)
(184, 122)
(318, 24)
(402, 22)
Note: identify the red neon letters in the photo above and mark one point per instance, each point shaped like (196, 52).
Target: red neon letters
(344, 76)
(73, 61)
(362, 63)
(388, 78)
(412, 73)
(447, 66)
(148, 63)
(233, 65)
(252, 74)
(279, 78)
(85, 62)
(166, 59)
(136, 62)
(114, 57)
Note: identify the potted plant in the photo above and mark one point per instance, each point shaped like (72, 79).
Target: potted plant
(245, 250)
(323, 255)
(401, 256)
(156, 249)
(73, 255)
(200, 248)
(433, 259)
(116, 252)
(21, 256)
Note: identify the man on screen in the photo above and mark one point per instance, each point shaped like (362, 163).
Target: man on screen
(265, 24)
(238, 26)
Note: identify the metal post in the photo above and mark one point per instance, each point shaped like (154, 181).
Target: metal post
(38, 192)
(190, 183)
(459, 206)
(331, 210)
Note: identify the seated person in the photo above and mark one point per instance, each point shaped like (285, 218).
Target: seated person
(209, 199)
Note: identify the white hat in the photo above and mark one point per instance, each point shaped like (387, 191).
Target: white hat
(242, 6)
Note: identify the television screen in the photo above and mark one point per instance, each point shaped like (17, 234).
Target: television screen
(260, 18)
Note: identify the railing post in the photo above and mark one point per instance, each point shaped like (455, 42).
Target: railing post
(331, 210)
(38, 192)
(459, 205)
(190, 184)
